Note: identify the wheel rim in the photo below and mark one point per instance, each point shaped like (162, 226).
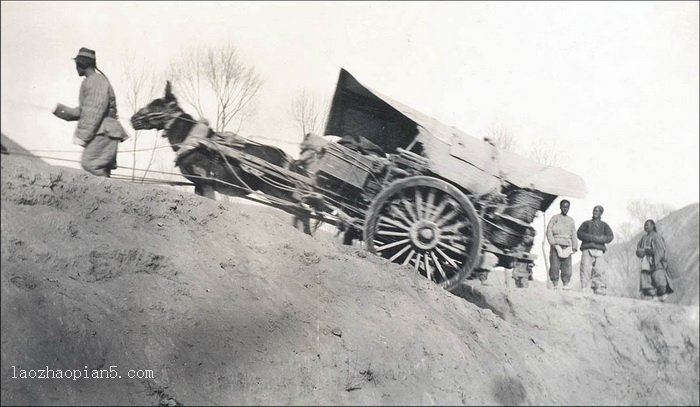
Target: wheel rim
(427, 224)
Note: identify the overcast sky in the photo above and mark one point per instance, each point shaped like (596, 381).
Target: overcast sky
(613, 85)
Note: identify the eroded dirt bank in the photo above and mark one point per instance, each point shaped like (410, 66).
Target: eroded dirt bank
(228, 304)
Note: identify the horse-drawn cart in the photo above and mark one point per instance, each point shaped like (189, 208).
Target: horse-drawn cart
(416, 191)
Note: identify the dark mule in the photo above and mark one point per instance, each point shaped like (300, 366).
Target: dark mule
(202, 166)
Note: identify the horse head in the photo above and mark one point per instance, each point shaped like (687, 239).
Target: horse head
(158, 113)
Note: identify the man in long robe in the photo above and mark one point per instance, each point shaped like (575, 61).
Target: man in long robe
(98, 129)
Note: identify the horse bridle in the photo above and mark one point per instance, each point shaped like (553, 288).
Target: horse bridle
(165, 117)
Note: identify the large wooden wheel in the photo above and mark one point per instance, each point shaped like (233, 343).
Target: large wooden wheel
(428, 224)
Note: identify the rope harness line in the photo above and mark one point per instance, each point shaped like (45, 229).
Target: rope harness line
(158, 181)
(121, 176)
(524, 203)
(269, 197)
(245, 187)
(118, 152)
(170, 118)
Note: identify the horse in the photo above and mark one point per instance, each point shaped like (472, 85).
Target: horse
(211, 171)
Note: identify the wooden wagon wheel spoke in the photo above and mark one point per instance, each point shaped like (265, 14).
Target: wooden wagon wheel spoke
(458, 226)
(451, 248)
(428, 269)
(429, 204)
(459, 246)
(383, 225)
(447, 218)
(393, 222)
(390, 233)
(399, 253)
(397, 212)
(450, 235)
(438, 211)
(407, 205)
(453, 230)
(454, 238)
(437, 264)
(426, 223)
(409, 257)
(390, 245)
(419, 204)
(449, 259)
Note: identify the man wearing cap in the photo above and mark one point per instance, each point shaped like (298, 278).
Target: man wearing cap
(594, 234)
(98, 130)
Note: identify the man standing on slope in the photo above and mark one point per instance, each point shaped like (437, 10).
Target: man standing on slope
(594, 235)
(99, 130)
(561, 235)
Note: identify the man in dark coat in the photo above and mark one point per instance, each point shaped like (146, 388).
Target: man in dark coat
(594, 234)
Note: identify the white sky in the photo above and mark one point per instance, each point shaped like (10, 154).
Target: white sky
(615, 85)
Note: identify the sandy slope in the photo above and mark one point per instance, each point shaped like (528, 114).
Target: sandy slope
(228, 304)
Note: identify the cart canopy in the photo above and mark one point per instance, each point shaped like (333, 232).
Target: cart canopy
(472, 163)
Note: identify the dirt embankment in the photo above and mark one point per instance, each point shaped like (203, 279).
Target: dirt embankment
(228, 304)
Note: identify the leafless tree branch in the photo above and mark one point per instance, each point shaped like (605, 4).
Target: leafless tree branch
(219, 72)
(141, 85)
(547, 152)
(639, 211)
(502, 137)
(309, 113)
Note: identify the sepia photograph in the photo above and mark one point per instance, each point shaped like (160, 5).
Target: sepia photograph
(350, 203)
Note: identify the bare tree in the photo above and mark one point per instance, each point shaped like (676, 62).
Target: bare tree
(643, 209)
(626, 231)
(547, 152)
(501, 136)
(309, 113)
(221, 74)
(188, 73)
(639, 211)
(234, 84)
(543, 150)
(141, 86)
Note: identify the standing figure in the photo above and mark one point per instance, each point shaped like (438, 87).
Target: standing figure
(654, 280)
(99, 130)
(594, 234)
(561, 235)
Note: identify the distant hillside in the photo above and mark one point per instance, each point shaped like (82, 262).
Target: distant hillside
(680, 230)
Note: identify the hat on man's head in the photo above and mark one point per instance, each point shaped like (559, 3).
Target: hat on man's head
(86, 53)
